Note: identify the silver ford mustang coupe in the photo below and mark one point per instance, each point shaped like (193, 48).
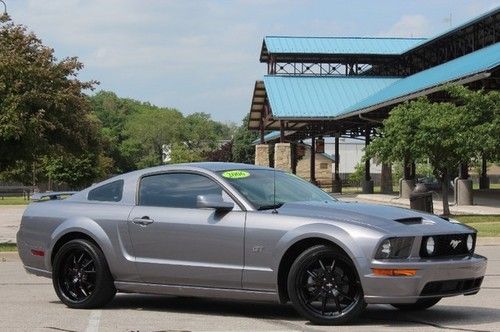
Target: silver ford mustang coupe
(226, 230)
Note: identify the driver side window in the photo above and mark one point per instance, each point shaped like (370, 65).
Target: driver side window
(178, 190)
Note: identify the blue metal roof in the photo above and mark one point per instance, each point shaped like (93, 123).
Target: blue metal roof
(450, 31)
(319, 96)
(359, 45)
(340, 45)
(333, 96)
(467, 65)
(268, 137)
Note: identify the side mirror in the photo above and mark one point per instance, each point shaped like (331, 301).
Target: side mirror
(213, 201)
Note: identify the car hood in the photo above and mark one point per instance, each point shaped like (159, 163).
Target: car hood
(383, 217)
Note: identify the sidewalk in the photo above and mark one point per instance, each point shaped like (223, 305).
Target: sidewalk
(438, 204)
(10, 217)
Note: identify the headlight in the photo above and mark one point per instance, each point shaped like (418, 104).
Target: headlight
(430, 245)
(470, 242)
(396, 247)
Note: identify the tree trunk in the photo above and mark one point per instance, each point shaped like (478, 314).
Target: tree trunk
(445, 184)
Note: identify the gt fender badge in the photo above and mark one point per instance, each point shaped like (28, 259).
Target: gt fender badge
(258, 249)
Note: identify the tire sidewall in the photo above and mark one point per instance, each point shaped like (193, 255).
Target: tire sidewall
(294, 274)
(102, 273)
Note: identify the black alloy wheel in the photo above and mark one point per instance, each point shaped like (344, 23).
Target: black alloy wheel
(81, 275)
(324, 286)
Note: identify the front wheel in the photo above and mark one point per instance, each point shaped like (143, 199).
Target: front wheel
(324, 287)
(81, 276)
(421, 304)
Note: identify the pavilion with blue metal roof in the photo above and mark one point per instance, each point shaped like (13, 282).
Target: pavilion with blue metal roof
(343, 86)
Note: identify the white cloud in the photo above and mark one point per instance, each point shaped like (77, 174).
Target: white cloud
(409, 26)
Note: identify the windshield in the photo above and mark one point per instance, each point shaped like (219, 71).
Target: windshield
(257, 186)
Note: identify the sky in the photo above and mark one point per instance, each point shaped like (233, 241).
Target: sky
(203, 56)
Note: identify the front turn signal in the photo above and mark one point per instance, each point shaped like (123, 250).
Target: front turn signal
(394, 272)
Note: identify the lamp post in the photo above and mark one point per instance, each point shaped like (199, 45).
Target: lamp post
(4, 17)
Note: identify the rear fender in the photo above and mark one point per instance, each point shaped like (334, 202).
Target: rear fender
(88, 227)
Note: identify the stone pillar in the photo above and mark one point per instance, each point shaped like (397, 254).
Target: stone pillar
(484, 180)
(337, 182)
(367, 183)
(262, 155)
(406, 187)
(463, 192)
(386, 179)
(283, 156)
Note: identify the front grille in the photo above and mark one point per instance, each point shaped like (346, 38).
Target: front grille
(448, 245)
(451, 286)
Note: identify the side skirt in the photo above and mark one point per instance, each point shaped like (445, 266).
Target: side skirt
(221, 293)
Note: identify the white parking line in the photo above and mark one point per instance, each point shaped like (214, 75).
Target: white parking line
(94, 319)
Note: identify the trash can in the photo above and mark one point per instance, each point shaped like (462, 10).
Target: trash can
(421, 199)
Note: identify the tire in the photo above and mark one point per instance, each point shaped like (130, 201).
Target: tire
(81, 277)
(421, 304)
(323, 295)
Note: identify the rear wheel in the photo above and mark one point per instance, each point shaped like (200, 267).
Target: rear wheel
(81, 276)
(421, 304)
(324, 287)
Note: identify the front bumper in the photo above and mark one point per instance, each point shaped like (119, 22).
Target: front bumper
(434, 278)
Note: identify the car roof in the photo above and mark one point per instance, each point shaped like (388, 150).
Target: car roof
(209, 166)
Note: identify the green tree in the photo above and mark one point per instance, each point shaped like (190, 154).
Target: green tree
(147, 131)
(42, 107)
(356, 177)
(439, 133)
(76, 171)
(482, 115)
(399, 130)
(243, 150)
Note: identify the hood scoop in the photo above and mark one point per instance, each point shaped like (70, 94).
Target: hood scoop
(410, 220)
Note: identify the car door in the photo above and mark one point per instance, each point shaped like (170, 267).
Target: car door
(177, 243)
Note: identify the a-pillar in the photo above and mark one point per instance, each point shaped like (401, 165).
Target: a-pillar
(407, 183)
(367, 183)
(484, 180)
(463, 187)
(283, 156)
(386, 179)
(262, 155)
(312, 163)
(337, 182)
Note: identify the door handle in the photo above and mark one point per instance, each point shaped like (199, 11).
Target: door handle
(144, 221)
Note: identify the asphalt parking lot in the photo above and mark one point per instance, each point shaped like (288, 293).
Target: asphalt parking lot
(30, 304)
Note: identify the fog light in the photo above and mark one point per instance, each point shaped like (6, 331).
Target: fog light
(394, 272)
(470, 242)
(430, 245)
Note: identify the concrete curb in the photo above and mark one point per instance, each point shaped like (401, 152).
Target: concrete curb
(9, 256)
(488, 241)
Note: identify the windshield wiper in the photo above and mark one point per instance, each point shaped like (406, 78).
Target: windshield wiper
(270, 207)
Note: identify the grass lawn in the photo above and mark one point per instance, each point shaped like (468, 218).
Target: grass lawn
(8, 247)
(475, 185)
(485, 225)
(13, 201)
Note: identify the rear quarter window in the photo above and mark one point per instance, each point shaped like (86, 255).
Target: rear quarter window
(110, 192)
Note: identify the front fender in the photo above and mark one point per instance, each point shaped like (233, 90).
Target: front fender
(353, 246)
(330, 233)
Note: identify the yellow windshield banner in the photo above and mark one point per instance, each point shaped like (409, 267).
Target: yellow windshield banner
(236, 174)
